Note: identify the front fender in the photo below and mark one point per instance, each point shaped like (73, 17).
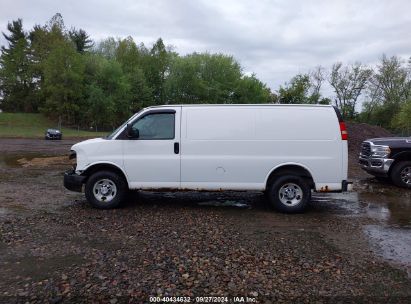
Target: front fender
(404, 155)
(104, 165)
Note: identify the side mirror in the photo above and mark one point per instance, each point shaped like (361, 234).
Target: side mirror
(132, 133)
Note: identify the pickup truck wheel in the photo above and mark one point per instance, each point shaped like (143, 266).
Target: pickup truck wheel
(289, 193)
(401, 174)
(105, 189)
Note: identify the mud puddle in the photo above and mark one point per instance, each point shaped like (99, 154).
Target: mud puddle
(394, 209)
(31, 160)
(34, 267)
(393, 244)
(244, 200)
(225, 204)
(388, 206)
(392, 240)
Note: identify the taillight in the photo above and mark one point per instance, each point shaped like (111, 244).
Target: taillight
(343, 129)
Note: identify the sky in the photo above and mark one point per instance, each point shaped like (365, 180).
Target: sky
(273, 39)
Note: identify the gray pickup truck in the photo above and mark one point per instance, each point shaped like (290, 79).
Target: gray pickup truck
(388, 157)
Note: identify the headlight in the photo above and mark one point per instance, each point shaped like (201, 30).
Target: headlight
(72, 154)
(380, 151)
(73, 159)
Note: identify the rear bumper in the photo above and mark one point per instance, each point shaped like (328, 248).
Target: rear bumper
(73, 181)
(344, 186)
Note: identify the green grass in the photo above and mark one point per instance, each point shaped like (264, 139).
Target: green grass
(30, 125)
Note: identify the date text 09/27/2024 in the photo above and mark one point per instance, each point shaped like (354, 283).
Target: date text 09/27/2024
(223, 299)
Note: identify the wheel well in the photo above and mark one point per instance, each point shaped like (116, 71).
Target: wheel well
(292, 170)
(405, 156)
(103, 167)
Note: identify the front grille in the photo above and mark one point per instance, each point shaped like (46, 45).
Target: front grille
(363, 162)
(53, 135)
(365, 149)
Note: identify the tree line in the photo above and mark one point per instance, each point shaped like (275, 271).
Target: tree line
(385, 91)
(65, 75)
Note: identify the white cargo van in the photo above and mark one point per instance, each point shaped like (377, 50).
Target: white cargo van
(285, 150)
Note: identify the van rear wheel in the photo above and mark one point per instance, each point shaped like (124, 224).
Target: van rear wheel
(289, 193)
(105, 190)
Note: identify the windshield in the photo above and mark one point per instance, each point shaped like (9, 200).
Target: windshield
(121, 127)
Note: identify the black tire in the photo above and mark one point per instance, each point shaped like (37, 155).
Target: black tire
(100, 185)
(295, 185)
(401, 174)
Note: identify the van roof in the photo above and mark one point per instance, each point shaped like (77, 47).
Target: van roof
(243, 105)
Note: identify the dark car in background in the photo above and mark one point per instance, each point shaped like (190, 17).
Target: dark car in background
(388, 157)
(53, 134)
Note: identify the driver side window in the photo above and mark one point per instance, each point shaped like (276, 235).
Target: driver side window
(156, 126)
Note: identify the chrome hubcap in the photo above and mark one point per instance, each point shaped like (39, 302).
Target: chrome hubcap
(290, 194)
(406, 175)
(105, 190)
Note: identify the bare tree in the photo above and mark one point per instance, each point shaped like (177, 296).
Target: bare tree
(317, 78)
(348, 82)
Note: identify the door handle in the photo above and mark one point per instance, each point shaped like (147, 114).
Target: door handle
(176, 148)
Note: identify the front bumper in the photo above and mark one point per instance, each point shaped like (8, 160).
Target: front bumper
(53, 136)
(376, 166)
(73, 181)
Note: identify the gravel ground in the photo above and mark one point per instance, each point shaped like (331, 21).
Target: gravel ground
(55, 248)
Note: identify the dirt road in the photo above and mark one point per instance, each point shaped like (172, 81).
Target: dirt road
(54, 247)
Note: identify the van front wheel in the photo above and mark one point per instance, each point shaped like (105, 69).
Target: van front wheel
(105, 189)
(289, 193)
